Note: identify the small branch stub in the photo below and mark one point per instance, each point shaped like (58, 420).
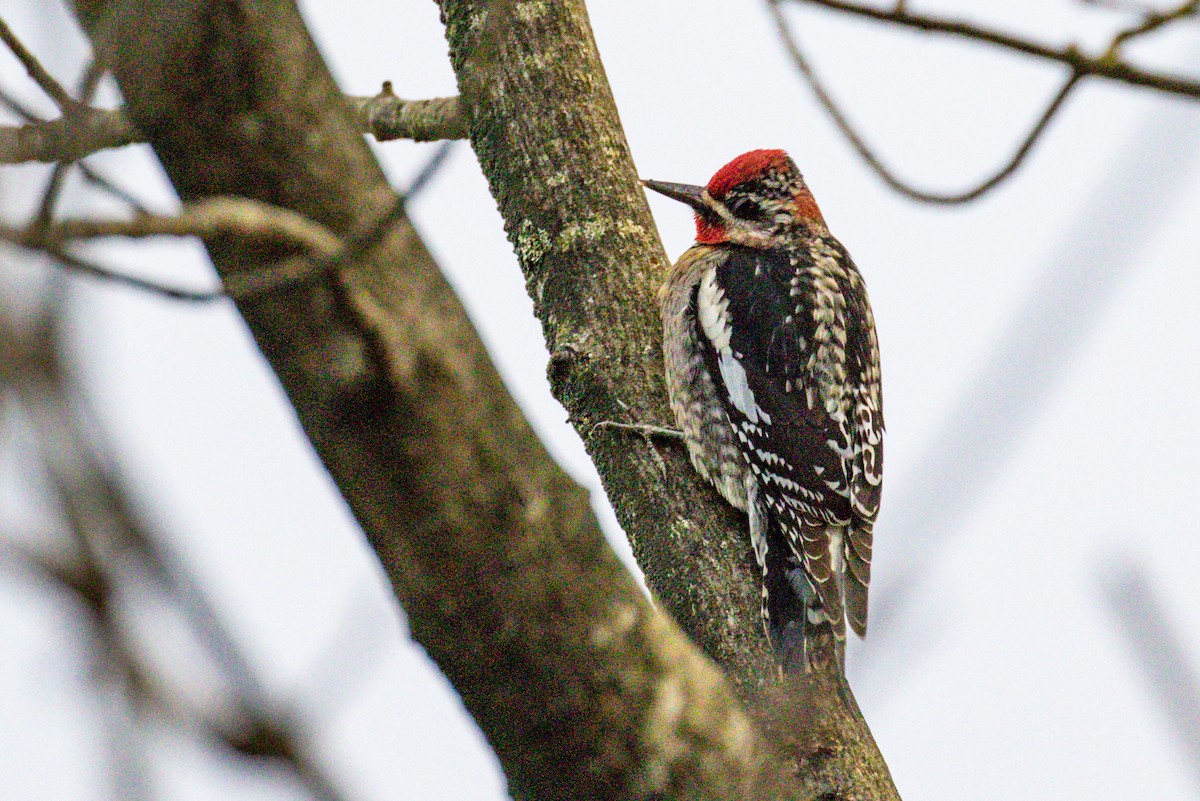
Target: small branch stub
(386, 117)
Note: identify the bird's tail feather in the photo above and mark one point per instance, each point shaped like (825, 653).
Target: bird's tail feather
(800, 632)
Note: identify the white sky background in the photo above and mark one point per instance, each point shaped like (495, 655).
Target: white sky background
(994, 668)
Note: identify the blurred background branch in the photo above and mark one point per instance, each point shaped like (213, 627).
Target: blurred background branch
(868, 154)
(129, 582)
(1013, 382)
(1109, 65)
(1157, 651)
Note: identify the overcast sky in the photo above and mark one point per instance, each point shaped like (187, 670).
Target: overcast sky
(1040, 360)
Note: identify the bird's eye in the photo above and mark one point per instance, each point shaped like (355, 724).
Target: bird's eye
(745, 208)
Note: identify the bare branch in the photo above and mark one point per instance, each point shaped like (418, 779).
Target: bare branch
(1158, 651)
(88, 130)
(208, 219)
(428, 172)
(1121, 5)
(116, 547)
(1013, 381)
(1127, 6)
(91, 269)
(873, 161)
(67, 138)
(217, 217)
(1152, 20)
(1108, 65)
(87, 90)
(1105, 66)
(37, 72)
(387, 117)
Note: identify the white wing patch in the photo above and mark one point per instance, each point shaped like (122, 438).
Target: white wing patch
(714, 311)
(740, 394)
(714, 321)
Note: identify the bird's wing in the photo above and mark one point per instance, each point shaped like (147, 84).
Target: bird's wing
(752, 311)
(866, 469)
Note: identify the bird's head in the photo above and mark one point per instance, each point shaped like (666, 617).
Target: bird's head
(753, 200)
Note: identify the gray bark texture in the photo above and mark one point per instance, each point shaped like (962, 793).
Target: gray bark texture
(583, 688)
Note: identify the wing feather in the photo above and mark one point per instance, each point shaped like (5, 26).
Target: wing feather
(792, 336)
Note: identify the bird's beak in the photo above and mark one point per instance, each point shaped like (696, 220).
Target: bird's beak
(694, 196)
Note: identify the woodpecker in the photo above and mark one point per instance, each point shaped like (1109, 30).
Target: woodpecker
(772, 365)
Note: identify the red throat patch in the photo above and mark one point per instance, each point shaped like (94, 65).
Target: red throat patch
(709, 232)
(743, 168)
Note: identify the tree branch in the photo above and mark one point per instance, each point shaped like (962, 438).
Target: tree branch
(1157, 649)
(114, 550)
(1152, 20)
(88, 268)
(876, 164)
(208, 219)
(45, 81)
(88, 130)
(67, 138)
(91, 175)
(218, 217)
(388, 117)
(1107, 66)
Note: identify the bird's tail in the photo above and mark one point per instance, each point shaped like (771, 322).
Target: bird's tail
(801, 632)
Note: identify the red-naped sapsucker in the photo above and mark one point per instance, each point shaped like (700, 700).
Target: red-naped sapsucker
(772, 365)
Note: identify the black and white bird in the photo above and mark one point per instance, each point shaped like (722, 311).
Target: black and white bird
(772, 364)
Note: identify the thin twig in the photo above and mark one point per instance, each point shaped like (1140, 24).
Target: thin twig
(1152, 21)
(1121, 5)
(90, 82)
(1103, 66)
(290, 273)
(87, 89)
(40, 75)
(65, 145)
(1157, 649)
(648, 432)
(102, 182)
(91, 269)
(58, 176)
(874, 162)
(322, 250)
(428, 172)
(645, 429)
(324, 259)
